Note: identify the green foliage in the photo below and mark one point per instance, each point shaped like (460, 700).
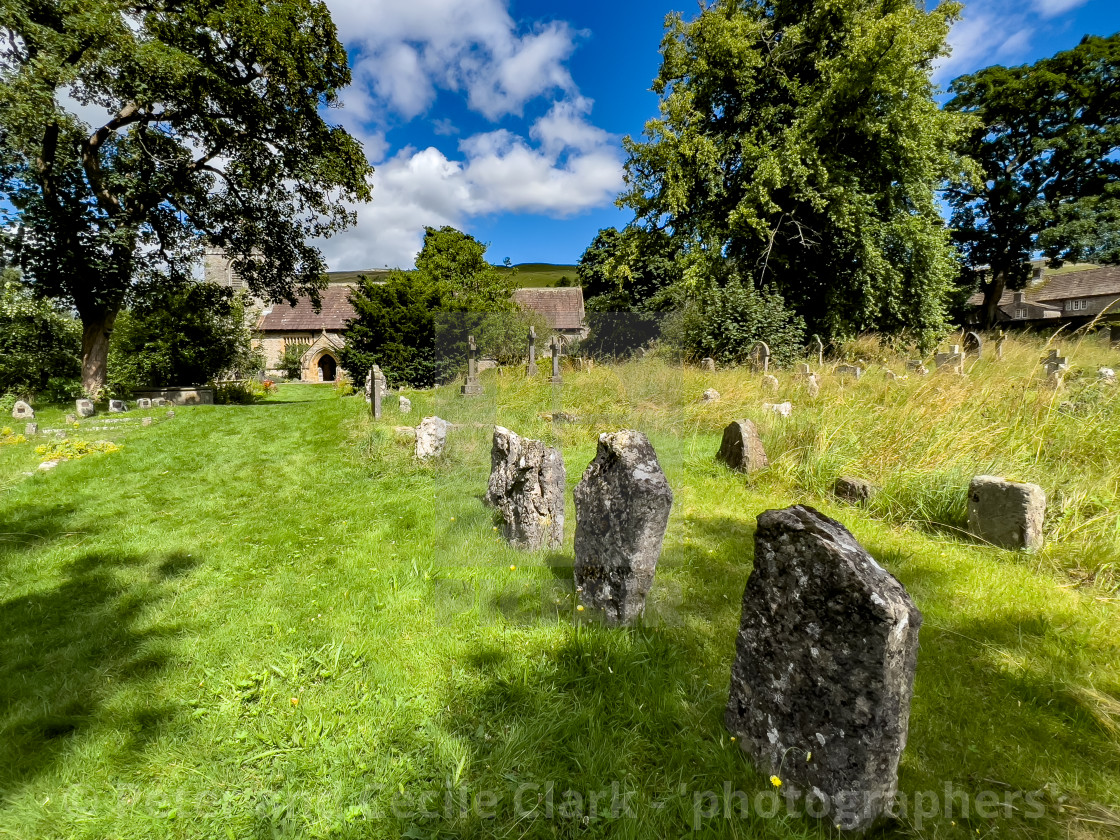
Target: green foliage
(214, 133)
(628, 270)
(178, 336)
(291, 360)
(1046, 139)
(725, 323)
(415, 325)
(38, 343)
(801, 142)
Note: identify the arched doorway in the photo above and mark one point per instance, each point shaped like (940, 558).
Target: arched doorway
(328, 368)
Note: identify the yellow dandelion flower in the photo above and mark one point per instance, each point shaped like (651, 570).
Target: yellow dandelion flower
(775, 781)
(732, 737)
(513, 568)
(295, 701)
(580, 608)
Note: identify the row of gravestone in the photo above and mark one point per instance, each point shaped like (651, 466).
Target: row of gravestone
(1004, 513)
(827, 645)
(85, 408)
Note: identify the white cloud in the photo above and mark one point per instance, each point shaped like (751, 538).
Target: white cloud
(1052, 8)
(981, 38)
(500, 172)
(410, 49)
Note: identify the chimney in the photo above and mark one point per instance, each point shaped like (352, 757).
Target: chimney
(1020, 298)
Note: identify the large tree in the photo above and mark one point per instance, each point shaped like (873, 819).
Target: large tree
(1046, 140)
(800, 139)
(212, 131)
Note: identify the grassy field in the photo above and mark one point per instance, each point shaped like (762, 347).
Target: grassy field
(535, 275)
(270, 621)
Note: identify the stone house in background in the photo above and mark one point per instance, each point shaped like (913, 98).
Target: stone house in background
(1073, 297)
(278, 326)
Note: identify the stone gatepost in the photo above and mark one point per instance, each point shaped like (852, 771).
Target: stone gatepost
(532, 370)
(472, 387)
(824, 668)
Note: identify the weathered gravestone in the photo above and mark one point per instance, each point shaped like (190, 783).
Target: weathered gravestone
(622, 510)
(855, 491)
(22, 411)
(31, 429)
(824, 667)
(144, 403)
(710, 395)
(708, 364)
(741, 447)
(1006, 513)
(147, 421)
(554, 346)
(532, 369)
(770, 383)
(916, 366)
(760, 357)
(953, 361)
(405, 405)
(784, 409)
(472, 387)
(854, 371)
(1114, 334)
(527, 487)
(117, 406)
(71, 419)
(803, 370)
(813, 384)
(818, 348)
(973, 344)
(84, 408)
(375, 391)
(431, 437)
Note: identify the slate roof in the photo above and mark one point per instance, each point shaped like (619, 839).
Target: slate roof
(1092, 282)
(561, 308)
(336, 311)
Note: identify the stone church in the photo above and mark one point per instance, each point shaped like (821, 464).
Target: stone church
(278, 326)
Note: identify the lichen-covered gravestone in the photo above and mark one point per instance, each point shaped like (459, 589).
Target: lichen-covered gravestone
(431, 437)
(741, 447)
(824, 667)
(1006, 513)
(22, 411)
(405, 405)
(527, 482)
(84, 408)
(622, 510)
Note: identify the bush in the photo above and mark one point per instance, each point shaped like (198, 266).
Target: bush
(37, 341)
(291, 360)
(726, 322)
(180, 336)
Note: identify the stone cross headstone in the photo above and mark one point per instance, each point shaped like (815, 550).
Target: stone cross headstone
(1056, 364)
(375, 391)
(84, 408)
(554, 345)
(973, 344)
(824, 668)
(22, 411)
(1005, 513)
(708, 364)
(532, 370)
(431, 437)
(760, 356)
(741, 447)
(472, 387)
(622, 510)
(527, 487)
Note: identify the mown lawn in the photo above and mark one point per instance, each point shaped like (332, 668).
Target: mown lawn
(269, 621)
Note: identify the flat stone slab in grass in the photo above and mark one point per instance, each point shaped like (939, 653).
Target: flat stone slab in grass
(741, 447)
(824, 667)
(622, 510)
(1006, 513)
(431, 437)
(527, 481)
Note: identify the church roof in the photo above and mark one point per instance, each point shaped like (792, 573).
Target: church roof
(561, 308)
(336, 311)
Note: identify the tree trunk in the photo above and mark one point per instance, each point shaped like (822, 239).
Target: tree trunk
(993, 291)
(96, 330)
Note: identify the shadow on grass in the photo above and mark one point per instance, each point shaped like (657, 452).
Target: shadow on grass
(67, 650)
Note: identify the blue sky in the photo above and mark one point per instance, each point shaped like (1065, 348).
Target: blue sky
(504, 118)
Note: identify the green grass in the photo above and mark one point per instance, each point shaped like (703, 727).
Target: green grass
(269, 620)
(537, 275)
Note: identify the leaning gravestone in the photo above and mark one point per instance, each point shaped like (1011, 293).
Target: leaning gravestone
(824, 667)
(973, 344)
(741, 447)
(527, 487)
(431, 437)
(117, 406)
(622, 510)
(1005, 513)
(22, 411)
